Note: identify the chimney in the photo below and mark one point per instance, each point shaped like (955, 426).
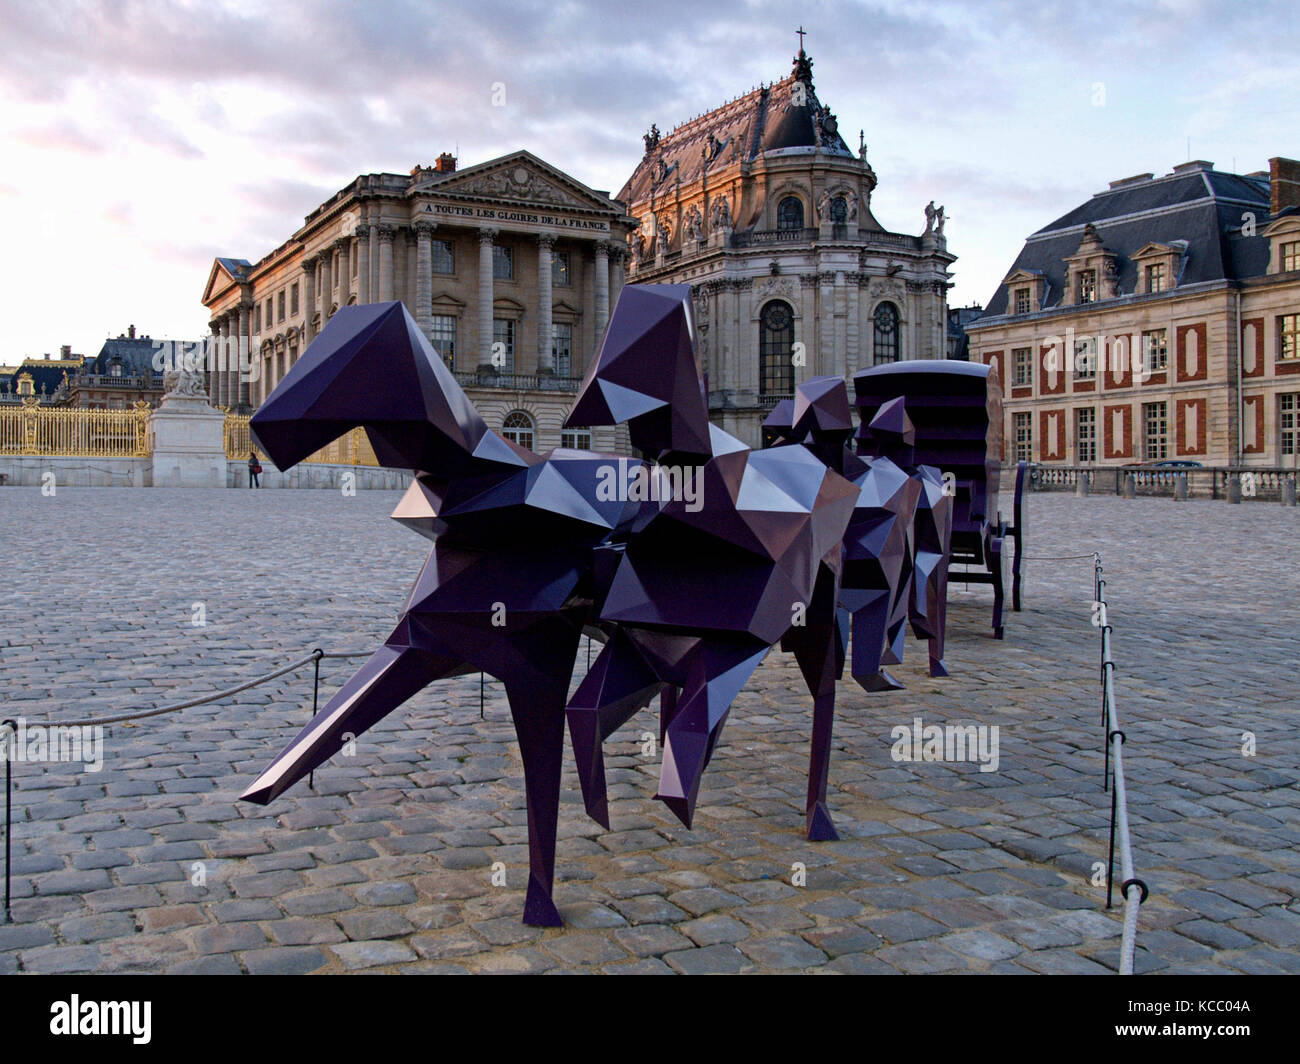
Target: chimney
(1283, 184)
(65, 352)
(130, 331)
(446, 163)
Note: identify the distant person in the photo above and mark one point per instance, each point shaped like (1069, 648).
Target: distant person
(254, 470)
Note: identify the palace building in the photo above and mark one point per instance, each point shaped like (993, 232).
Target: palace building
(510, 267)
(1158, 321)
(764, 210)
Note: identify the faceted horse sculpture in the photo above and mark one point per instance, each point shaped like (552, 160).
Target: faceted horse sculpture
(537, 543)
(896, 545)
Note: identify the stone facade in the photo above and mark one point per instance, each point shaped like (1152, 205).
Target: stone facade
(1156, 322)
(510, 267)
(765, 212)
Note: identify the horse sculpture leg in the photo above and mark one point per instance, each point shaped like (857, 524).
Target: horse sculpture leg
(818, 650)
(537, 707)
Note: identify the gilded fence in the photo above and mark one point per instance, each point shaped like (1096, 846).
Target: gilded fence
(61, 431)
(352, 448)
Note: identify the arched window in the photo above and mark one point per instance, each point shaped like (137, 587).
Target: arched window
(789, 213)
(775, 345)
(577, 438)
(885, 345)
(839, 211)
(518, 428)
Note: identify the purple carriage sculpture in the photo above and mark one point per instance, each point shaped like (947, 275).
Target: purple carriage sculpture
(535, 541)
(956, 412)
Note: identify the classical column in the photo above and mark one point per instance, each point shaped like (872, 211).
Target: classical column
(243, 353)
(372, 259)
(385, 233)
(308, 299)
(424, 276)
(545, 353)
(602, 287)
(616, 273)
(363, 263)
(214, 348)
(485, 297)
(344, 247)
(223, 363)
(326, 260)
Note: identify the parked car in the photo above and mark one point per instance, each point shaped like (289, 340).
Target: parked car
(1172, 463)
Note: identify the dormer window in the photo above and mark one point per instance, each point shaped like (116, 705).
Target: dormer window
(1290, 256)
(26, 386)
(1155, 277)
(1022, 300)
(1087, 286)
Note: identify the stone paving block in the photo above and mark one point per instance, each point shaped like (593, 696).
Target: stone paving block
(283, 960)
(356, 956)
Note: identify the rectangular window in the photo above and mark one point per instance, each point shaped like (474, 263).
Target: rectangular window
(293, 300)
(1155, 350)
(1024, 435)
(1022, 300)
(1155, 431)
(560, 269)
(1087, 286)
(1291, 255)
(1085, 359)
(443, 338)
(562, 348)
(1156, 277)
(503, 332)
(1288, 406)
(257, 318)
(1288, 332)
(270, 312)
(1085, 434)
(503, 263)
(577, 439)
(279, 302)
(1023, 361)
(444, 257)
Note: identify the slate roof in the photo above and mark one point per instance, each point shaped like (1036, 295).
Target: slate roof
(1196, 204)
(136, 356)
(46, 374)
(765, 119)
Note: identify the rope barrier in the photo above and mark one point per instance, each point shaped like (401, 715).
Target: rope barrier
(1114, 771)
(12, 726)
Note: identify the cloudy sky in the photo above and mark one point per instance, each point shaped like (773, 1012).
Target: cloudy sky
(143, 137)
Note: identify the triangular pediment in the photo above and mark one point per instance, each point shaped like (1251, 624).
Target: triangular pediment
(518, 178)
(1023, 276)
(225, 274)
(1153, 249)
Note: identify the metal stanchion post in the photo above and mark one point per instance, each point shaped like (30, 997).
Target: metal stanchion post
(315, 694)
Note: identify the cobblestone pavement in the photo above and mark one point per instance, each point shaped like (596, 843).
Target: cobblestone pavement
(386, 865)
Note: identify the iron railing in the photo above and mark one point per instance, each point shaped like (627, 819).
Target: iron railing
(33, 428)
(352, 448)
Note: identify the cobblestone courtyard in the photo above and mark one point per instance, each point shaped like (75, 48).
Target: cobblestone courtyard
(386, 864)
